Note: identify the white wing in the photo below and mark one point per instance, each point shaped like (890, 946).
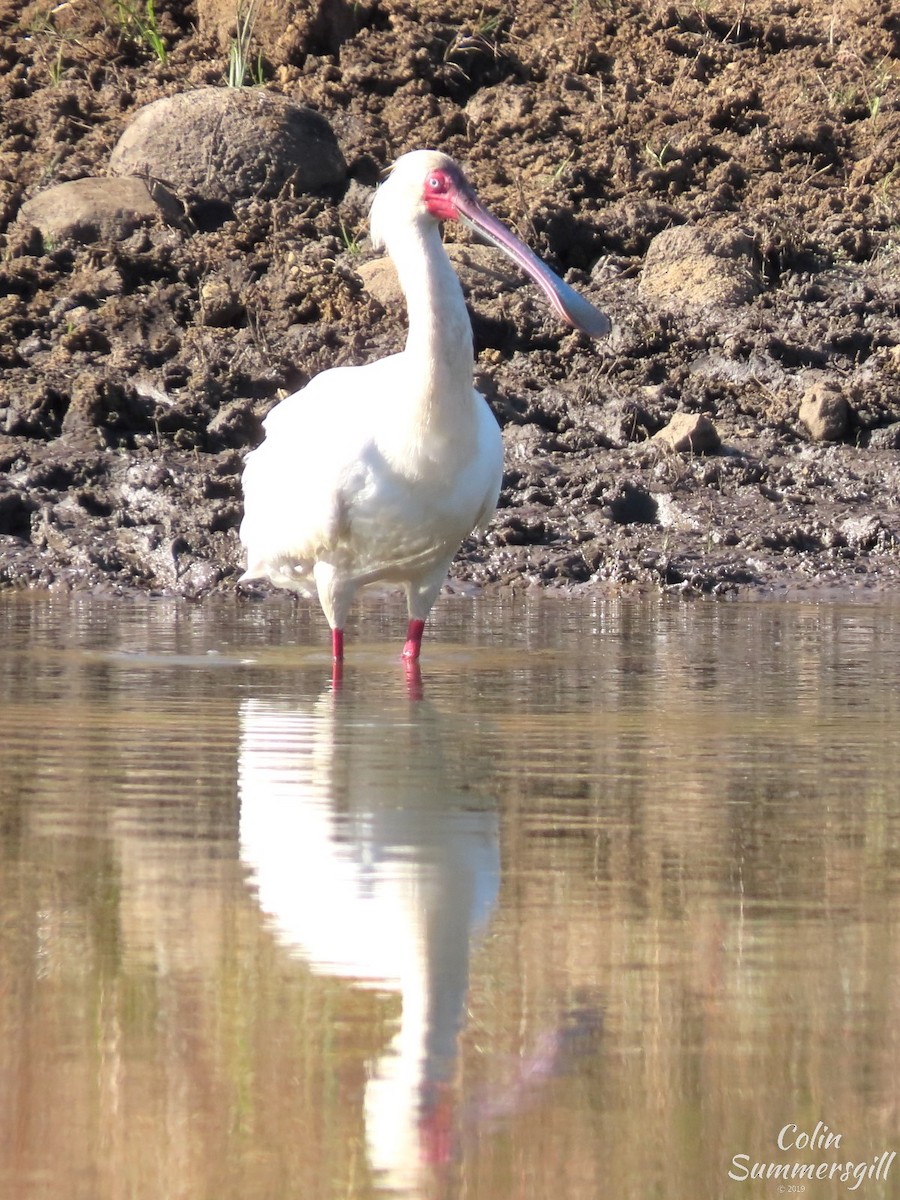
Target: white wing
(316, 453)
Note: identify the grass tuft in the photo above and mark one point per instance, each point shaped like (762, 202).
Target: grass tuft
(241, 67)
(140, 26)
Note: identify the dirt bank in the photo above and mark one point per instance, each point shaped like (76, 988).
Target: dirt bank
(135, 366)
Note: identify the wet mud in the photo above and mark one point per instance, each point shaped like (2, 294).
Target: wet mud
(722, 178)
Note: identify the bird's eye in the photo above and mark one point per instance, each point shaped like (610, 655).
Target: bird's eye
(437, 182)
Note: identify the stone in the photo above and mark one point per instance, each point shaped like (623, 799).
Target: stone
(228, 144)
(825, 412)
(97, 209)
(690, 433)
(687, 268)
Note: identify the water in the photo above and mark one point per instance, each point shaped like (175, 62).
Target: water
(606, 905)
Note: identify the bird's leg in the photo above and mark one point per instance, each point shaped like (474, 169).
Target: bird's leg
(337, 645)
(420, 596)
(337, 659)
(413, 643)
(335, 597)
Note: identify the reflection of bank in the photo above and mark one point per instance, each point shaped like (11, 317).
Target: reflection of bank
(374, 862)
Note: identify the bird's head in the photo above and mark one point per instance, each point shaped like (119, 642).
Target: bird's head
(427, 185)
(423, 183)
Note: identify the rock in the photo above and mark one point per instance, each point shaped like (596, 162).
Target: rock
(825, 413)
(690, 433)
(227, 144)
(97, 209)
(687, 268)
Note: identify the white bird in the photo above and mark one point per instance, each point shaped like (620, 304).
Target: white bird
(378, 472)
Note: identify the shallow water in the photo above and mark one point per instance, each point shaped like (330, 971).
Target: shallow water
(606, 905)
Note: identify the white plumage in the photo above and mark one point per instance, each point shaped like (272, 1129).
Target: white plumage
(378, 472)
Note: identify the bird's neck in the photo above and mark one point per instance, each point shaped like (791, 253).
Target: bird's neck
(439, 342)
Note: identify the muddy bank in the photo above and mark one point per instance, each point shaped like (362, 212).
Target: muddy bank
(723, 179)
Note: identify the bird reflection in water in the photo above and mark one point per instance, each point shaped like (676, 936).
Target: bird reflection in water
(374, 861)
(374, 854)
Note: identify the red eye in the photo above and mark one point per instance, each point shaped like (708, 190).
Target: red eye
(440, 195)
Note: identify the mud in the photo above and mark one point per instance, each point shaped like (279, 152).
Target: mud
(137, 361)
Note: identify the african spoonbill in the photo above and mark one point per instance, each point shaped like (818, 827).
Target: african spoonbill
(378, 472)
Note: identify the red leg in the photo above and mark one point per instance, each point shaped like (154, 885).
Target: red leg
(337, 659)
(413, 639)
(337, 645)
